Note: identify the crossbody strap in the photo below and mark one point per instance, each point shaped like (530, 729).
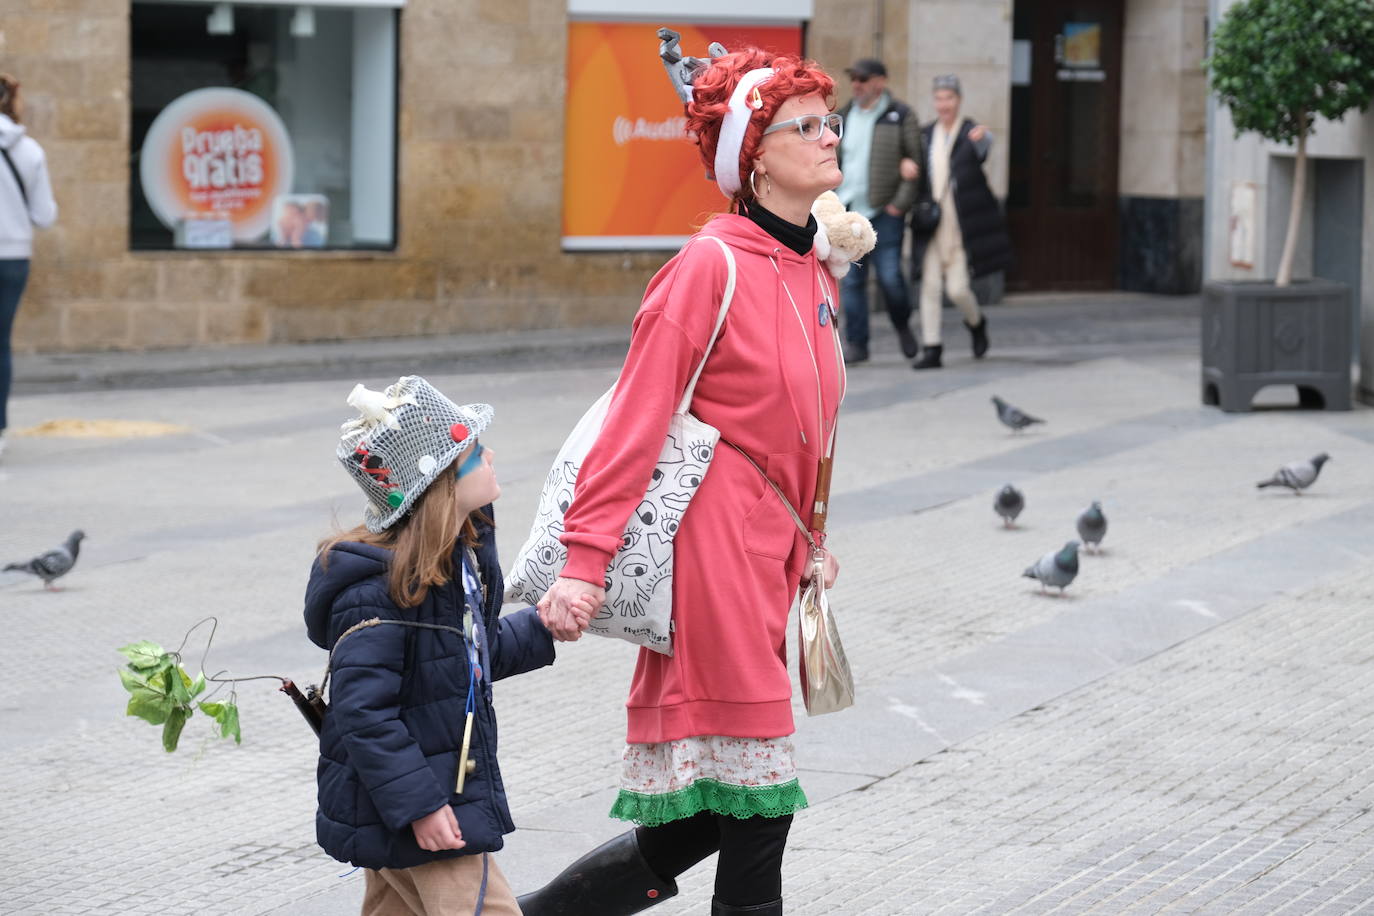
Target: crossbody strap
(787, 503)
(23, 191)
(720, 322)
(375, 622)
(820, 507)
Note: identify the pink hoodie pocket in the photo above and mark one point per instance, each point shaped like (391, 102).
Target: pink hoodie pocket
(768, 527)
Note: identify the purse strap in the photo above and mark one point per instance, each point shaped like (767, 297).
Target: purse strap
(821, 505)
(23, 191)
(720, 322)
(787, 503)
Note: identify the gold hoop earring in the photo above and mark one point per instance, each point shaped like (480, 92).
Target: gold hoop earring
(767, 184)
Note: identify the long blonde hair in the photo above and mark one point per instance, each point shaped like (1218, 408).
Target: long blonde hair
(421, 543)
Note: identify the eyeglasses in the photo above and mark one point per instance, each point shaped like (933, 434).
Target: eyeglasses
(471, 462)
(860, 79)
(812, 126)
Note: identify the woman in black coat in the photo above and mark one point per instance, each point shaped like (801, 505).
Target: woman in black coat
(957, 227)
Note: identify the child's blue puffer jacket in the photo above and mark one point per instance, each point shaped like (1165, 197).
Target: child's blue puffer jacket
(391, 739)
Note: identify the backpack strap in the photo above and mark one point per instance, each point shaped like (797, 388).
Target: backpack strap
(375, 622)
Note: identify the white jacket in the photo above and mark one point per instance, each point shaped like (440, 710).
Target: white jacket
(17, 221)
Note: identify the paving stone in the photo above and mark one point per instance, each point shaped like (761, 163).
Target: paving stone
(1188, 730)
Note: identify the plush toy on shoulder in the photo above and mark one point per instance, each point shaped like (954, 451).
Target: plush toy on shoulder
(843, 236)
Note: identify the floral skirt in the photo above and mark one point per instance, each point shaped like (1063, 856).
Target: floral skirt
(740, 777)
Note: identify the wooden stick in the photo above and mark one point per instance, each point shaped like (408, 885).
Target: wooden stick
(463, 757)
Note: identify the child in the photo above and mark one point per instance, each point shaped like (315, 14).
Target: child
(404, 694)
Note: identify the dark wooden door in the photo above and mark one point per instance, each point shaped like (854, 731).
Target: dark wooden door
(1064, 147)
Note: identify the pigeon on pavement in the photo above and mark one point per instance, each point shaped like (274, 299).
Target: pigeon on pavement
(1009, 504)
(52, 564)
(1297, 476)
(1057, 568)
(1013, 417)
(1092, 526)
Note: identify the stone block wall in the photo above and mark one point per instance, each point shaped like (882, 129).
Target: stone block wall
(479, 161)
(479, 207)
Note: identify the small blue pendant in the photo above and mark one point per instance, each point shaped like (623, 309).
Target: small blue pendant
(823, 314)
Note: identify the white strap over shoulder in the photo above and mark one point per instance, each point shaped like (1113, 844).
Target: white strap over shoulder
(720, 321)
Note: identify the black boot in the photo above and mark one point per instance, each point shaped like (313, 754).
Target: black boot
(930, 357)
(979, 333)
(611, 880)
(760, 909)
(907, 341)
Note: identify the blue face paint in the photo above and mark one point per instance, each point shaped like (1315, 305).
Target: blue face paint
(471, 462)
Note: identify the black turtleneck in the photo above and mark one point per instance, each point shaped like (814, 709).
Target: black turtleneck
(800, 239)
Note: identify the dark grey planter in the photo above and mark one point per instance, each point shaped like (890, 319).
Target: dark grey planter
(1255, 334)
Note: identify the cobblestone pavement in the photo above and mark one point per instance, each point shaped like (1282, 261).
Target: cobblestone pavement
(1186, 730)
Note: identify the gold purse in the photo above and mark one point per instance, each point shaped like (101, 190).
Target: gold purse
(826, 681)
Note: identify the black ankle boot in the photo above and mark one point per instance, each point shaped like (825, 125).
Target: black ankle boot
(979, 333)
(908, 342)
(611, 880)
(761, 909)
(930, 357)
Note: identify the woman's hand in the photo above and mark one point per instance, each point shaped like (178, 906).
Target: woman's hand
(568, 607)
(908, 169)
(830, 570)
(438, 830)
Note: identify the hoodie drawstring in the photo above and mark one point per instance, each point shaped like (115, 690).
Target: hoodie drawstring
(810, 351)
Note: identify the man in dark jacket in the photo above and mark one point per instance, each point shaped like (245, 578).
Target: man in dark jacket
(879, 132)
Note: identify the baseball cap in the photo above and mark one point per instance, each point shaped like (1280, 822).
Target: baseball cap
(866, 67)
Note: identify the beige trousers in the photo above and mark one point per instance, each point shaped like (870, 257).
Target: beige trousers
(444, 888)
(945, 265)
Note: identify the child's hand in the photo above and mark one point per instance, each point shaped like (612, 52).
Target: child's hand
(438, 830)
(567, 608)
(584, 609)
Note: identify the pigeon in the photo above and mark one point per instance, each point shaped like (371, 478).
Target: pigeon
(1057, 568)
(1092, 526)
(1009, 504)
(52, 564)
(1297, 476)
(1013, 417)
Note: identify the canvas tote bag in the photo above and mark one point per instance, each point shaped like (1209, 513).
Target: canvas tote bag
(639, 581)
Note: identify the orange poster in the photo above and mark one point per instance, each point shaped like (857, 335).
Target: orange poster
(631, 178)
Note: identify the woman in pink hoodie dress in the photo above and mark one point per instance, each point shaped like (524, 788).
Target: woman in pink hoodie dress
(708, 764)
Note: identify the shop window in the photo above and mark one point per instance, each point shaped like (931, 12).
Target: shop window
(263, 126)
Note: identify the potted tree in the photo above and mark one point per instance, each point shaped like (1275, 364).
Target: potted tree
(1278, 66)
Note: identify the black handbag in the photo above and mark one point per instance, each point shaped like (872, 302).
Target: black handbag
(925, 216)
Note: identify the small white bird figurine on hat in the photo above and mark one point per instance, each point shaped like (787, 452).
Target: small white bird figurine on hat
(375, 407)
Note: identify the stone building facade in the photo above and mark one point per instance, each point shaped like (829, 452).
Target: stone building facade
(478, 171)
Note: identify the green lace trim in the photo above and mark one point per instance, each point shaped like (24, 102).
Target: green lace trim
(709, 795)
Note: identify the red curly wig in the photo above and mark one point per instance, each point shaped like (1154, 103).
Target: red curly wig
(711, 91)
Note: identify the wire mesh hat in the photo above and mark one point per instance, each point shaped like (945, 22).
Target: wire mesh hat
(403, 439)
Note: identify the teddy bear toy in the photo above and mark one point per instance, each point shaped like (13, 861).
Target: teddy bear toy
(842, 236)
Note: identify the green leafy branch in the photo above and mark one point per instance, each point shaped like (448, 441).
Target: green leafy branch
(163, 693)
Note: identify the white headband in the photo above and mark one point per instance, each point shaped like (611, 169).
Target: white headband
(732, 130)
